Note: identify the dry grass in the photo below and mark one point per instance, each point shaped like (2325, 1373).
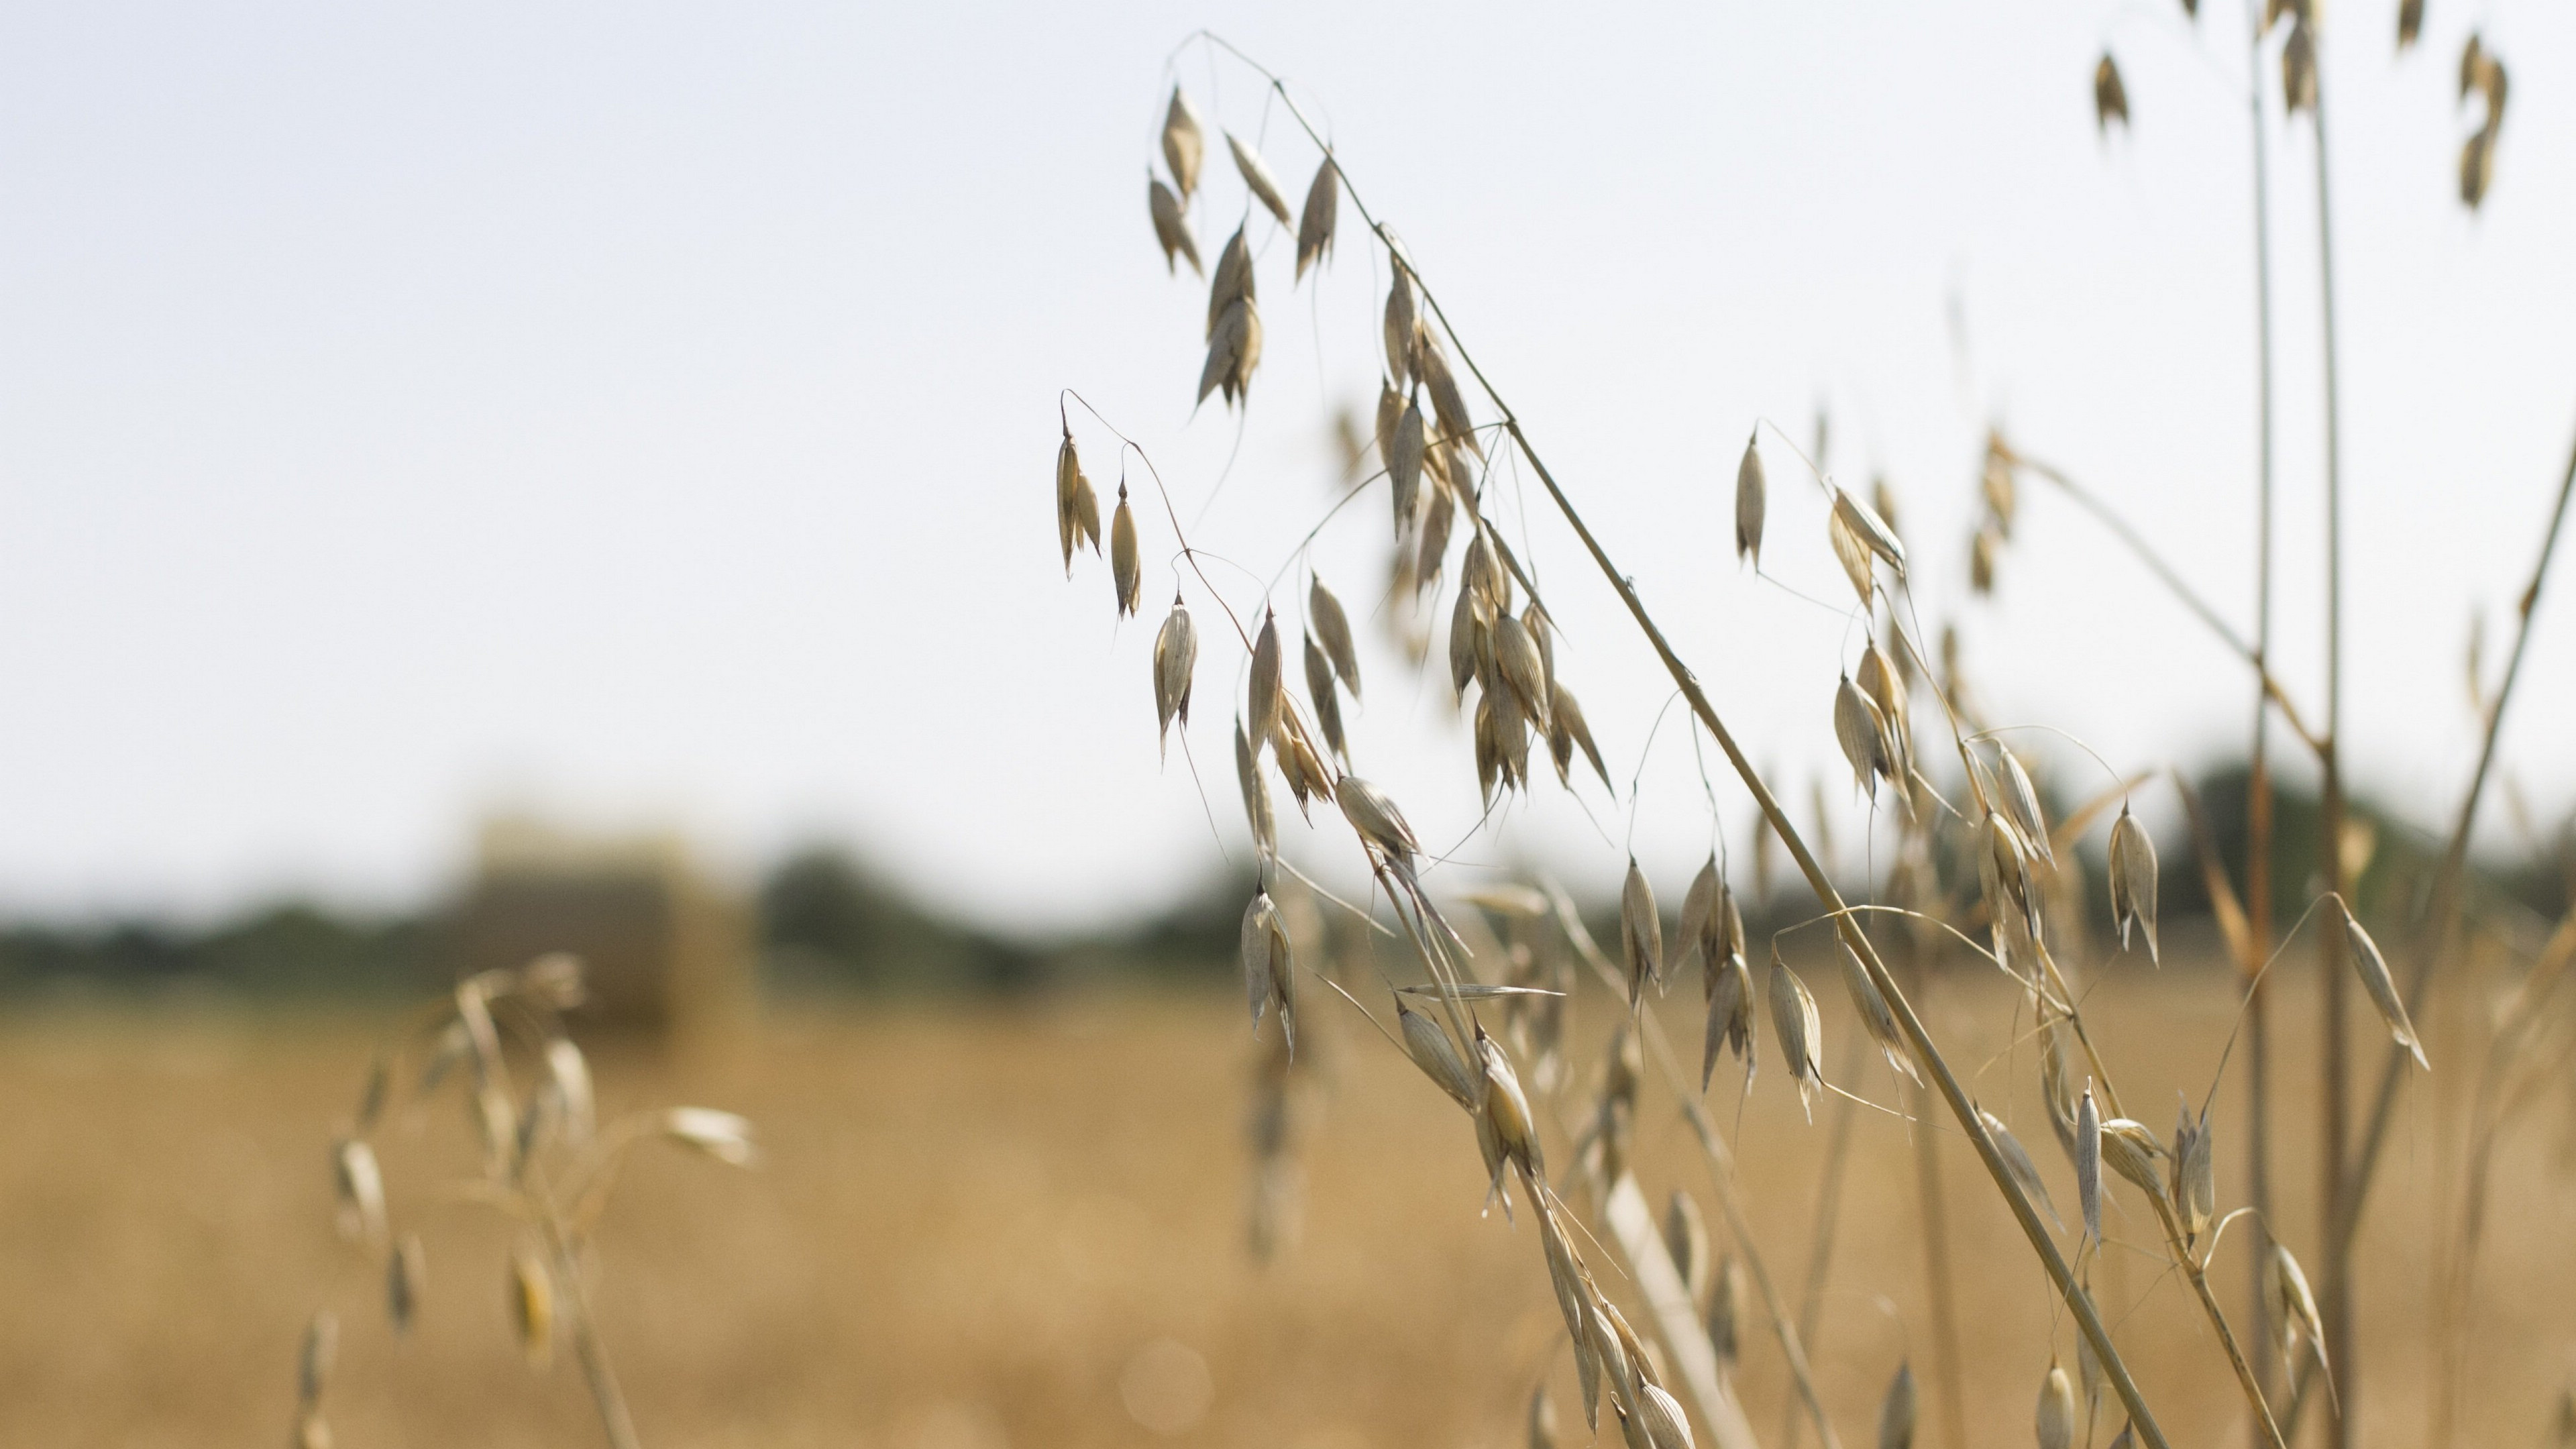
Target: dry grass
(970, 1225)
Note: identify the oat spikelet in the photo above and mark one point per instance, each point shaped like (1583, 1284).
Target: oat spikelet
(1567, 731)
(1170, 231)
(1404, 464)
(2194, 1186)
(2299, 67)
(2477, 167)
(314, 1361)
(2294, 1310)
(1851, 553)
(2133, 881)
(1725, 1312)
(359, 1184)
(1428, 1043)
(1793, 1017)
(2088, 1162)
(1234, 351)
(2055, 1418)
(1862, 733)
(1896, 1411)
(1124, 571)
(1875, 1017)
(1699, 906)
(1376, 820)
(1749, 502)
(1328, 705)
(1641, 933)
(1516, 659)
(2017, 1162)
(2373, 970)
(1269, 970)
(1730, 1017)
(1315, 222)
(2021, 802)
(1666, 1426)
(1403, 328)
(1333, 631)
(1176, 659)
(2410, 22)
(1448, 404)
(1265, 702)
(1183, 143)
(2110, 97)
(1256, 175)
(1256, 795)
(1870, 529)
(1507, 1111)
(724, 1136)
(1077, 508)
(2130, 1148)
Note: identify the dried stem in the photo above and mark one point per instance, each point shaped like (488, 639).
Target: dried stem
(595, 1369)
(1829, 1203)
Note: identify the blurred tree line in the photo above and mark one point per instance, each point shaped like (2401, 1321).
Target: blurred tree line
(828, 924)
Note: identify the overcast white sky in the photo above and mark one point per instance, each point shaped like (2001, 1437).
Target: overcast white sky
(645, 412)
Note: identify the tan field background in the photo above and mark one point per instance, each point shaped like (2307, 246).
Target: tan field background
(987, 1227)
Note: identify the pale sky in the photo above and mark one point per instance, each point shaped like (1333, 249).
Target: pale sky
(646, 412)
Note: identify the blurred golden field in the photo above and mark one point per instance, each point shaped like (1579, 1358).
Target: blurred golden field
(980, 1227)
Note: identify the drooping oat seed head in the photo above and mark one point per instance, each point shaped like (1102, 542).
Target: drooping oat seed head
(1176, 658)
(2477, 166)
(2017, 1163)
(1295, 754)
(1436, 521)
(2021, 803)
(1641, 934)
(2299, 67)
(1261, 959)
(1448, 404)
(1333, 631)
(1875, 1016)
(1233, 352)
(2110, 97)
(1699, 907)
(1793, 1017)
(1263, 703)
(1854, 555)
(1896, 1411)
(2131, 1149)
(1327, 702)
(2088, 1162)
(1171, 232)
(2294, 1310)
(725, 1136)
(1749, 502)
(1466, 642)
(1374, 817)
(1666, 1426)
(1730, 1018)
(1315, 222)
(2133, 881)
(2373, 970)
(1981, 559)
(1507, 1108)
(2410, 22)
(1077, 508)
(1257, 177)
(1403, 328)
(1566, 731)
(1870, 529)
(1184, 144)
(2194, 1184)
(1516, 659)
(1862, 733)
(568, 1079)
(1125, 573)
(2055, 1418)
(1257, 814)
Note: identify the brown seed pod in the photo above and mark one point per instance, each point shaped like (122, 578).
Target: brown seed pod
(1315, 222)
(2477, 167)
(2110, 97)
(1749, 502)
(1256, 795)
(1183, 143)
(1256, 175)
(2473, 62)
(1641, 933)
(2373, 970)
(1793, 1017)
(1176, 658)
(2133, 880)
(1263, 702)
(2410, 22)
(1170, 231)
(1124, 571)
(1403, 328)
